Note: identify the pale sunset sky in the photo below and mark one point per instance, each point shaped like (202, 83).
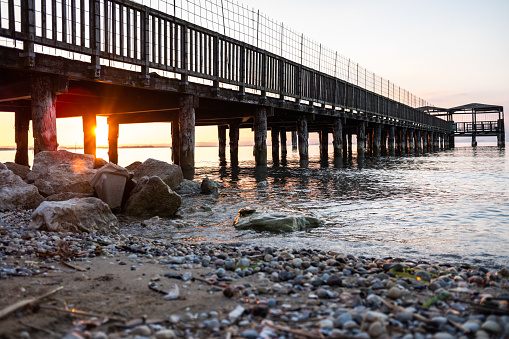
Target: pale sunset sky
(448, 52)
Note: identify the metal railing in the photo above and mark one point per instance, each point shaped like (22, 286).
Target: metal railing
(478, 127)
(249, 53)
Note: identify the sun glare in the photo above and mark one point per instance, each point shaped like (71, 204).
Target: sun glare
(101, 132)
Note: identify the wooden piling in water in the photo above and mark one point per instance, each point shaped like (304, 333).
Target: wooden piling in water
(303, 137)
(234, 143)
(418, 139)
(392, 136)
(113, 129)
(350, 145)
(44, 118)
(221, 135)
(377, 140)
(187, 135)
(324, 147)
(411, 141)
(21, 125)
(89, 138)
(260, 136)
(337, 134)
(284, 150)
(294, 141)
(274, 133)
(175, 141)
(361, 138)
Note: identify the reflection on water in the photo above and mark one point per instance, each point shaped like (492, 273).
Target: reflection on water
(448, 206)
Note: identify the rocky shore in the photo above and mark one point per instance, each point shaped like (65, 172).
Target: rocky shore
(123, 286)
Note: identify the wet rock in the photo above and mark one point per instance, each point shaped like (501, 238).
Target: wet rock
(62, 171)
(334, 280)
(170, 174)
(492, 327)
(394, 293)
(15, 193)
(20, 170)
(423, 275)
(209, 186)
(275, 222)
(188, 187)
(75, 215)
(152, 197)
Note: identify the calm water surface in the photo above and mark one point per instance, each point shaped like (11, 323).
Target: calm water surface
(449, 206)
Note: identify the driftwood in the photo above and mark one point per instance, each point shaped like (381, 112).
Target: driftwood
(23, 303)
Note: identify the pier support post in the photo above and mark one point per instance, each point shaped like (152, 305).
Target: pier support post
(377, 139)
(392, 136)
(113, 129)
(294, 141)
(337, 133)
(425, 141)
(451, 141)
(403, 141)
(175, 141)
(284, 150)
(500, 133)
(302, 129)
(383, 142)
(187, 120)
(324, 147)
(361, 138)
(260, 136)
(274, 133)
(418, 145)
(234, 144)
(350, 145)
(89, 138)
(411, 141)
(44, 113)
(21, 124)
(221, 135)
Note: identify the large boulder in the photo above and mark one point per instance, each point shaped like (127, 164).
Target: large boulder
(62, 171)
(75, 215)
(171, 174)
(15, 193)
(18, 169)
(152, 197)
(209, 186)
(274, 221)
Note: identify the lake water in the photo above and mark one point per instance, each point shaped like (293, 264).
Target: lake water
(450, 206)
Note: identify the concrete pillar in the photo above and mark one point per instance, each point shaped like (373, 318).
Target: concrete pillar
(377, 140)
(294, 141)
(21, 124)
(274, 133)
(361, 138)
(187, 135)
(44, 115)
(234, 144)
(392, 136)
(302, 129)
(113, 129)
(260, 136)
(175, 141)
(89, 138)
(337, 133)
(284, 150)
(221, 135)
(411, 141)
(324, 147)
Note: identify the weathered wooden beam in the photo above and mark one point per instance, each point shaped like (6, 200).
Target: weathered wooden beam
(234, 144)
(274, 132)
(303, 137)
(21, 124)
(187, 135)
(337, 137)
(113, 130)
(260, 136)
(44, 113)
(221, 135)
(324, 148)
(175, 141)
(361, 138)
(89, 137)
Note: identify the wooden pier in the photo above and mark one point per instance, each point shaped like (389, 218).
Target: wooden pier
(135, 64)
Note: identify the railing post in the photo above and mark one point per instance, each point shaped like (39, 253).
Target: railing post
(145, 47)
(281, 79)
(264, 77)
(28, 27)
(95, 38)
(184, 82)
(298, 86)
(242, 72)
(215, 72)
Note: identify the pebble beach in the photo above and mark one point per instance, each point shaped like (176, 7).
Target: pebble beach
(125, 286)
